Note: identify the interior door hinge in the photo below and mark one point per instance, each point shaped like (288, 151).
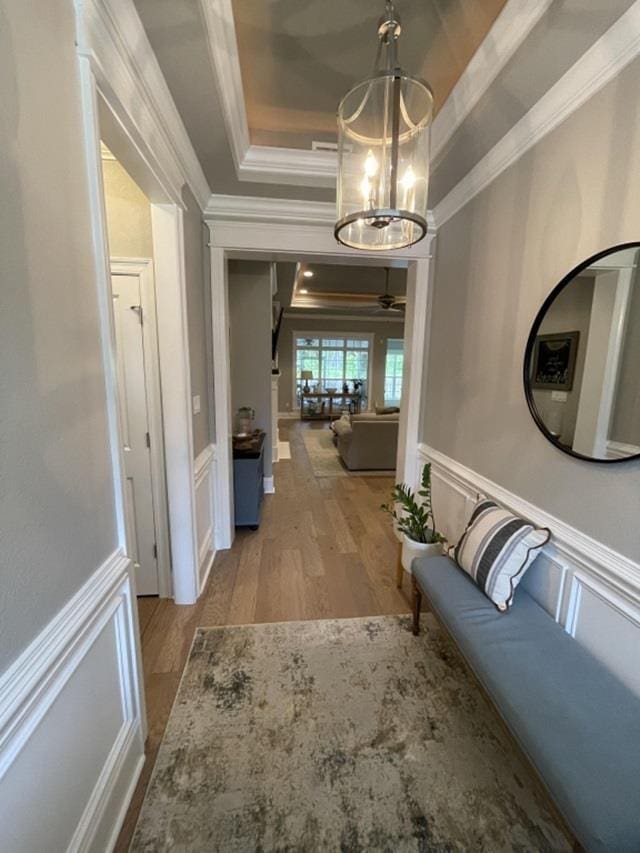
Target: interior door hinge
(148, 439)
(155, 551)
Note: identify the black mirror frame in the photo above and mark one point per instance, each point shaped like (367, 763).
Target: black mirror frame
(528, 355)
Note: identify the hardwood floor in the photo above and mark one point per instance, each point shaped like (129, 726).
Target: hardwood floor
(323, 550)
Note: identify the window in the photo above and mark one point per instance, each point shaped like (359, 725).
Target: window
(394, 363)
(332, 359)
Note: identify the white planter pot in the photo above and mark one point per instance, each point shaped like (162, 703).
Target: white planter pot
(411, 550)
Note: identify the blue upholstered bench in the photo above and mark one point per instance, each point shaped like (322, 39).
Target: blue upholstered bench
(577, 724)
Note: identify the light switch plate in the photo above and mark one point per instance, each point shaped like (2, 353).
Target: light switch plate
(559, 396)
(196, 404)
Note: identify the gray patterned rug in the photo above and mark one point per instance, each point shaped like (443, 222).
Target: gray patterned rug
(345, 735)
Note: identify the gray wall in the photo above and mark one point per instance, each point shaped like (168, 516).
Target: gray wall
(381, 331)
(198, 320)
(57, 521)
(250, 338)
(575, 193)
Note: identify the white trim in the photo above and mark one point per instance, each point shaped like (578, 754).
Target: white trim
(621, 449)
(288, 416)
(417, 331)
(173, 336)
(31, 685)
(509, 30)
(223, 500)
(599, 560)
(203, 478)
(111, 36)
(275, 240)
(342, 318)
(268, 486)
(254, 208)
(220, 29)
(143, 268)
(294, 166)
(595, 68)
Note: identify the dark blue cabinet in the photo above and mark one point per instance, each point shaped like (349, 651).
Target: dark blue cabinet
(248, 481)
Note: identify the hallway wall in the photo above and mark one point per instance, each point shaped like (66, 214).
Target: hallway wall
(71, 738)
(495, 262)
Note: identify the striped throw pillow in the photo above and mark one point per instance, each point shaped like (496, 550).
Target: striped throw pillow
(496, 549)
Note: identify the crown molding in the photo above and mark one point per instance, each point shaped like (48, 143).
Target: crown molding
(293, 166)
(509, 30)
(605, 59)
(222, 43)
(111, 35)
(247, 208)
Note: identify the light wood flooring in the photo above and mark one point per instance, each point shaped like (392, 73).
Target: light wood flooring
(324, 550)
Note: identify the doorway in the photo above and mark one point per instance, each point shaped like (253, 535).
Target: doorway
(137, 377)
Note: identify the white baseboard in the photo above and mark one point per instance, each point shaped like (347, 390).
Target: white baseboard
(288, 416)
(73, 699)
(586, 586)
(269, 486)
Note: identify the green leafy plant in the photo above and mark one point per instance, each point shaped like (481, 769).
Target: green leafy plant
(412, 516)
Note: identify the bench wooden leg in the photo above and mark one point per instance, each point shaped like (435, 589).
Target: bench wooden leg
(399, 568)
(416, 602)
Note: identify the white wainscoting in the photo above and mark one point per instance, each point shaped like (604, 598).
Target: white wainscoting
(72, 722)
(587, 587)
(205, 512)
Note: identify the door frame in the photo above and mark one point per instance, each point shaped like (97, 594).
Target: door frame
(143, 269)
(273, 241)
(107, 115)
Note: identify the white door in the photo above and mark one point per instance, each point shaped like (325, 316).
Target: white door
(134, 425)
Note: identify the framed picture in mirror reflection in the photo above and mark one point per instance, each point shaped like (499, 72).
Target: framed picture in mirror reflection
(554, 361)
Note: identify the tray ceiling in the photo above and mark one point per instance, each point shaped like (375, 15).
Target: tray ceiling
(297, 59)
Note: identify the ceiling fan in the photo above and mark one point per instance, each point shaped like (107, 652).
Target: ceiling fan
(387, 301)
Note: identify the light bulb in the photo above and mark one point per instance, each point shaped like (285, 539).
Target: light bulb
(408, 179)
(370, 165)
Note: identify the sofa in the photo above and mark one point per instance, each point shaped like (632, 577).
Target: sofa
(367, 441)
(576, 723)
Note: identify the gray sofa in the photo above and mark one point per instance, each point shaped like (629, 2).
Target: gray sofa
(578, 725)
(371, 442)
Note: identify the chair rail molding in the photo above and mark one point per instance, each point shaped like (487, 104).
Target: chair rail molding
(571, 544)
(110, 33)
(604, 60)
(587, 587)
(84, 664)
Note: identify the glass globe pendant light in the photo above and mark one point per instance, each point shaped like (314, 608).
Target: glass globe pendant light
(383, 152)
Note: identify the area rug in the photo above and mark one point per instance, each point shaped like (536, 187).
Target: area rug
(325, 460)
(339, 735)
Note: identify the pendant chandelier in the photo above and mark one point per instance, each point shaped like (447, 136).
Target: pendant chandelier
(383, 152)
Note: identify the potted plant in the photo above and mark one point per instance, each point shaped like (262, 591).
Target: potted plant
(413, 519)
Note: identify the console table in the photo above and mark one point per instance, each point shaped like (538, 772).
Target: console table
(325, 401)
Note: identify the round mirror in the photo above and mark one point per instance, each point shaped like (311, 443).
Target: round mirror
(582, 362)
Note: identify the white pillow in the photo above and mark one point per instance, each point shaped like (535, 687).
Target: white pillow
(341, 426)
(496, 549)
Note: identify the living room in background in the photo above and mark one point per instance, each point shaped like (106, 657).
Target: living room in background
(336, 361)
(393, 370)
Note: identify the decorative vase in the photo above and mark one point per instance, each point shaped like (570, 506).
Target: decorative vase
(412, 549)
